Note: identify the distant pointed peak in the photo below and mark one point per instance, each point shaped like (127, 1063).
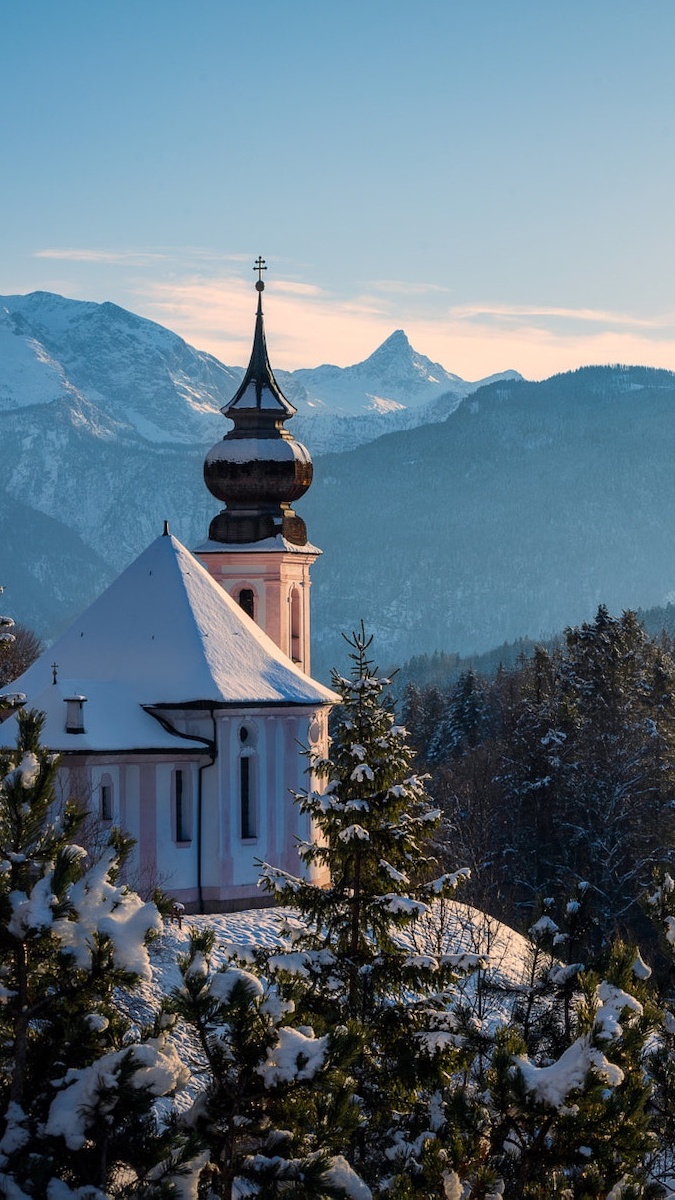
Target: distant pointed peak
(398, 341)
(396, 345)
(398, 338)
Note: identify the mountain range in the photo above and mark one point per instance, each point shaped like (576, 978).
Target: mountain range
(529, 506)
(487, 513)
(104, 421)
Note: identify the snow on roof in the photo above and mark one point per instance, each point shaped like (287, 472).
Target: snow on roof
(114, 720)
(279, 542)
(258, 449)
(164, 634)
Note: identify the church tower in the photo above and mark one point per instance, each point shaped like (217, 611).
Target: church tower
(258, 548)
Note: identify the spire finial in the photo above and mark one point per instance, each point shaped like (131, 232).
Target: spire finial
(260, 266)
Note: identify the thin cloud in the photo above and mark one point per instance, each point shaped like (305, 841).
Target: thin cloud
(210, 301)
(307, 326)
(127, 258)
(297, 289)
(586, 315)
(177, 256)
(474, 349)
(304, 325)
(403, 287)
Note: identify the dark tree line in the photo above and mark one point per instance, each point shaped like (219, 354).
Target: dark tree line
(559, 771)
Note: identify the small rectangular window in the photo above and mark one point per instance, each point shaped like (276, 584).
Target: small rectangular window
(106, 802)
(247, 814)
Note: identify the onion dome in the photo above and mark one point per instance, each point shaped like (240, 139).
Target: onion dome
(258, 469)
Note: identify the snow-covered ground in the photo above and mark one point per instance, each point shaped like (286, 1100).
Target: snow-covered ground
(451, 928)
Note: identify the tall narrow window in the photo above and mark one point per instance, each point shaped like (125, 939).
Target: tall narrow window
(246, 602)
(106, 802)
(182, 821)
(246, 799)
(295, 626)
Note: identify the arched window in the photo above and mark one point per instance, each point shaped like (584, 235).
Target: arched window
(246, 600)
(247, 786)
(296, 641)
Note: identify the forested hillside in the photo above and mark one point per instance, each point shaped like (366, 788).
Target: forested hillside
(529, 506)
(558, 774)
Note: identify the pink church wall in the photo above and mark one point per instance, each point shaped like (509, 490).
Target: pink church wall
(272, 575)
(144, 806)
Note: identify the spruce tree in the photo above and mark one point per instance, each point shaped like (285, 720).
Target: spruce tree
(77, 1084)
(373, 817)
(569, 1118)
(276, 1101)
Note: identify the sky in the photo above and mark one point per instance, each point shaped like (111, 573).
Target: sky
(496, 177)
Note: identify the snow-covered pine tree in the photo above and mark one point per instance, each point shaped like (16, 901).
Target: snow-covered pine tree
(275, 1100)
(373, 818)
(77, 1082)
(574, 1124)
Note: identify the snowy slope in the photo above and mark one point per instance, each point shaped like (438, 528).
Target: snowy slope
(453, 928)
(139, 379)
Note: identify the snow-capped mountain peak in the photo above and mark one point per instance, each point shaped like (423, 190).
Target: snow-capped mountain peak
(396, 360)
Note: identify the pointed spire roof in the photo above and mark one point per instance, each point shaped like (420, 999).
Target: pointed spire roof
(163, 635)
(259, 389)
(258, 469)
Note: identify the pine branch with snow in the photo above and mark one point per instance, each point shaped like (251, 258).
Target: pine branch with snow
(275, 1100)
(77, 1084)
(576, 1123)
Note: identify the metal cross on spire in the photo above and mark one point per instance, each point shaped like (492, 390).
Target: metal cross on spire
(260, 266)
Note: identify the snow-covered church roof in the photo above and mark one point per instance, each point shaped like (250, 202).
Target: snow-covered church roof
(163, 635)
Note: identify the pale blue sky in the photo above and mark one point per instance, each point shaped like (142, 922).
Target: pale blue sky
(494, 176)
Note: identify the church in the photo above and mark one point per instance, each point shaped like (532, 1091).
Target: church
(181, 699)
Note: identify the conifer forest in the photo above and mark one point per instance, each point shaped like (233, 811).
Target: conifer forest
(372, 1054)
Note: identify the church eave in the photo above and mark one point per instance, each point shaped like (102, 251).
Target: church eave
(164, 752)
(212, 705)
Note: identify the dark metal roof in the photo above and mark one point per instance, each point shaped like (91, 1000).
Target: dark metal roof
(259, 377)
